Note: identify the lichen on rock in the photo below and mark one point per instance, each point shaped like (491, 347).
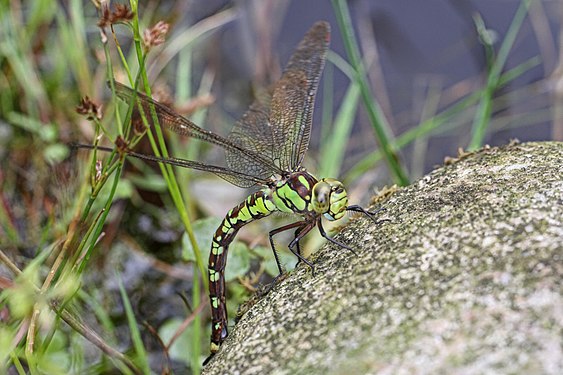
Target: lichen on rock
(465, 277)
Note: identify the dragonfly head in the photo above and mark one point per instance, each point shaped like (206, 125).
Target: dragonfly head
(330, 198)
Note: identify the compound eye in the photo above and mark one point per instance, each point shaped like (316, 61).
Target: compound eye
(338, 190)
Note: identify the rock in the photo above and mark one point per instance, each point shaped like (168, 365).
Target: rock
(465, 278)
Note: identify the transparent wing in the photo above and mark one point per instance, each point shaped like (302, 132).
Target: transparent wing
(279, 127)
(304, 70)
(261, 168)
(252, 132)
(225, 173)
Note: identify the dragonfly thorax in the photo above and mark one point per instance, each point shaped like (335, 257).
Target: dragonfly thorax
(329, 199)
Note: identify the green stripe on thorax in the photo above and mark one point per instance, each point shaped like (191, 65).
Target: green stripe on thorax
(294, 194)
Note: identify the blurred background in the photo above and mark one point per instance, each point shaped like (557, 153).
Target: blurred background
(442, 75)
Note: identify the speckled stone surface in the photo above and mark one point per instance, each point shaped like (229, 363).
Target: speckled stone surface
(465, 278)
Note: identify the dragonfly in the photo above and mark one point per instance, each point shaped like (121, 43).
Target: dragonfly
(265, 149)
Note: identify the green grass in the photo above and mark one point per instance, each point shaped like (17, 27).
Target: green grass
(496, 63)
(61, 218)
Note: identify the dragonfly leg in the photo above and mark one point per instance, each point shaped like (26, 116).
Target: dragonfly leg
(294, 244)
(206, 360)
(299, 225)
(298, 247)
(370, 214)
(323, 233)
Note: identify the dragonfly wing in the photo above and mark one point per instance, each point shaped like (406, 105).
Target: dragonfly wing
(252, 132)
(282, 133)
(234, 177)
(294, 97)
(288, 104)
(262, 168)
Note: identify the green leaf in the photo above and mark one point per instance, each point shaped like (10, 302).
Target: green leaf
(238, 257)
(238, 261)
(204, 230)
(47, 132)
(6, 337)
(124, 190)
(141, 355)
(181, 348)
(56, 358)
(152, 182)
(55, 153)
(287, 259)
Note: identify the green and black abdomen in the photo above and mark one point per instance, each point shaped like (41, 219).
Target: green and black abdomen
(255, 207)
(291, 195)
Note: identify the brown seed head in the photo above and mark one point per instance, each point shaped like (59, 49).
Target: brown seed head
(138, 126)
(121, 13)
(90, 109)
(155, 35)
(121, 144)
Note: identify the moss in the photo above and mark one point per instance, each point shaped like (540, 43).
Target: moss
(465, 277)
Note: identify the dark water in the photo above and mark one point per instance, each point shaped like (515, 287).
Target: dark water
(420, 52)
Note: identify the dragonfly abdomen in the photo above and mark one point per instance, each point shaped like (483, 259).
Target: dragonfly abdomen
(256, 206)
(292, 194)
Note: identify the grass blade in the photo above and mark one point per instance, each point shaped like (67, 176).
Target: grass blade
(483, 114)
(142, 359)
(382, 130)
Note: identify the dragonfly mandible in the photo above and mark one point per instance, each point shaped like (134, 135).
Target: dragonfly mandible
(265, 148)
